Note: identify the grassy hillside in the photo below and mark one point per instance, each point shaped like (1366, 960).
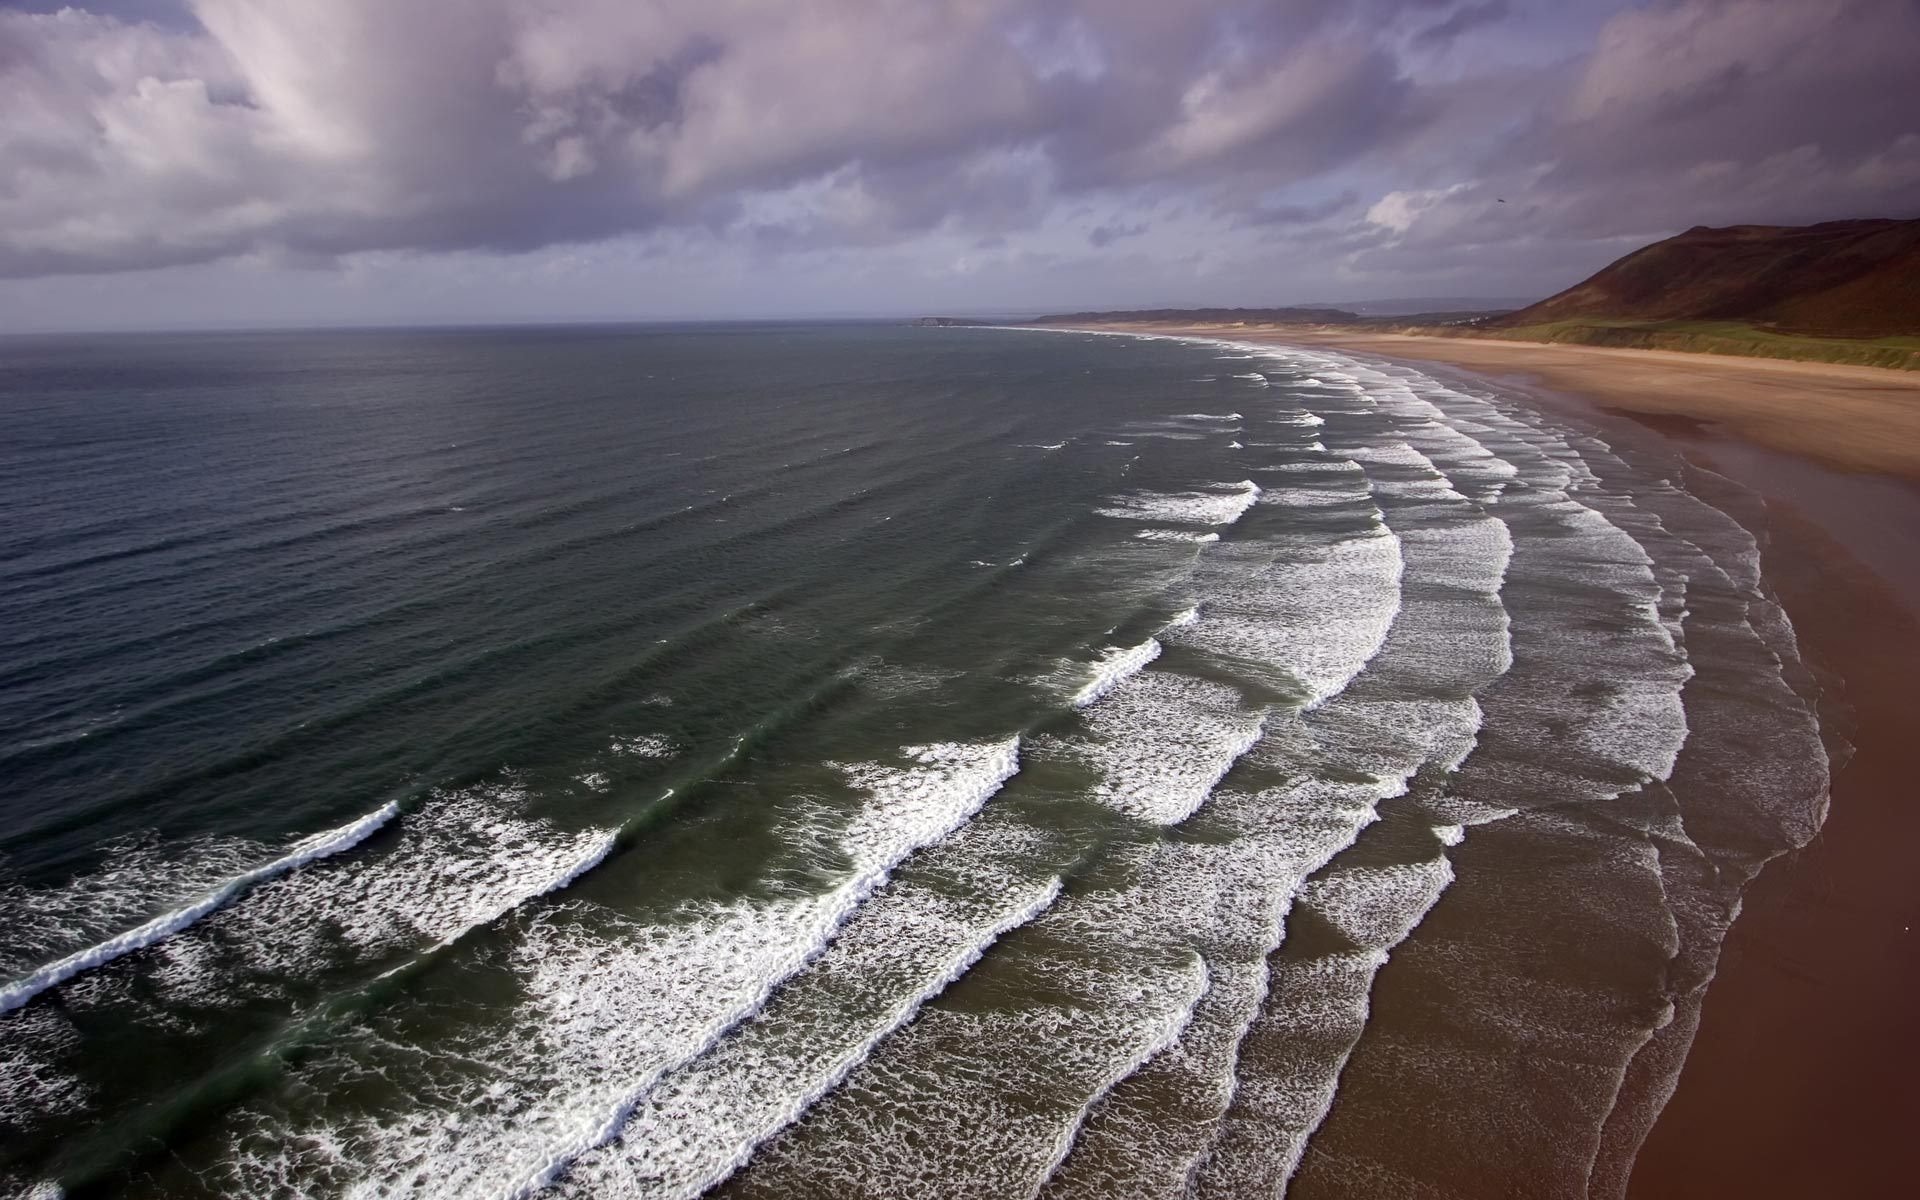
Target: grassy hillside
(1841, 279)
(1706, 337)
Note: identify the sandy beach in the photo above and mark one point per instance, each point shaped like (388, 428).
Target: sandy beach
(1799, 1082)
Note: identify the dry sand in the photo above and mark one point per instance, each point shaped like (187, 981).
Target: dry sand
(1804, 1079)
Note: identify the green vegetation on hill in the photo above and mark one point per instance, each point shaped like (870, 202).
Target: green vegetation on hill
(1704, 337)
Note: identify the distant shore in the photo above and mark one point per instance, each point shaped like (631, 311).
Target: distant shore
(1854, 418)
(1799, 1081)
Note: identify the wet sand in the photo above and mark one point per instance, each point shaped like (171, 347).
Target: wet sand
(1802, 1079)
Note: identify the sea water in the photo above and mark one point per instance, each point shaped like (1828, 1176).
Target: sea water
(856, 760)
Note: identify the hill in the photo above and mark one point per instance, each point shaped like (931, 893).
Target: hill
(1840, 279)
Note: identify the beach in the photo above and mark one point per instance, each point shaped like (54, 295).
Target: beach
(1798, 1082)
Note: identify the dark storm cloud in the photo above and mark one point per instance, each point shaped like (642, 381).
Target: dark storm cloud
(153, 133)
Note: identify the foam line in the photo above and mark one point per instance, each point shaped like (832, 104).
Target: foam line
(1115, 665)
(704, 1123)
(310, 849)
(1177, 535)
(1161, 1034)
(1193, 508)
(916, 812)
(610, 1006)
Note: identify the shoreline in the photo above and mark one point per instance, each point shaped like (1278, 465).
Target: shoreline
(1797, 1082)
(1850, 417)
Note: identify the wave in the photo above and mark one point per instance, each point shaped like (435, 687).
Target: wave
(1317, 618)
(703, 1123)
(307, 850)
(1371, 728)
(1067, 1032)
(612, 1004)
(1175, 535)
(1180, 1019)
(1193, 508)
(1620, 707)
(1161, 1034)
(1161, 743)
(1116, 663)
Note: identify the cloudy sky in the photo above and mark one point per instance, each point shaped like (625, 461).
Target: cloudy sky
(228, 162)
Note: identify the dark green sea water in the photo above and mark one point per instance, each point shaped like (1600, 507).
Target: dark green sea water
(853, 760)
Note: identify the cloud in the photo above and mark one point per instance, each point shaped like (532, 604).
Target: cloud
(1463, 19)
(1360, 140)
(1103, 236)
(1689, 112)
(333, 126)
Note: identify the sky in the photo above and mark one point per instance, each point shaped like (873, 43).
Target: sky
(223, 163)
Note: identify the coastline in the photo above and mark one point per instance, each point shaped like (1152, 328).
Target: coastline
(1797, 1082)
(1861, 418)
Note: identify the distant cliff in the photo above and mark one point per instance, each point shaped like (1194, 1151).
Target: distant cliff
(1847, 279)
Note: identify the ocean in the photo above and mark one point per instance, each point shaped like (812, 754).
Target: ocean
(853, 760)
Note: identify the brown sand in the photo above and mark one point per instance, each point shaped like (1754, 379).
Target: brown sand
(1804, 1079)
(1857, 418)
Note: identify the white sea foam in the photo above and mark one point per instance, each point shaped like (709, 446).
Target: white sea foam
(702, 1123)
(1115, 664)
(1616, 697)
(1018, 1077)
(645, 745)
(1313, 1014)
(1318, 617)
(34, 1083)
(612, 1004)
(1629, 718)
(1411, 707)
(1176, 535)
(307, 850)
(461, 861)
(135, 877)
(1193, 508)
(1228, 898)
